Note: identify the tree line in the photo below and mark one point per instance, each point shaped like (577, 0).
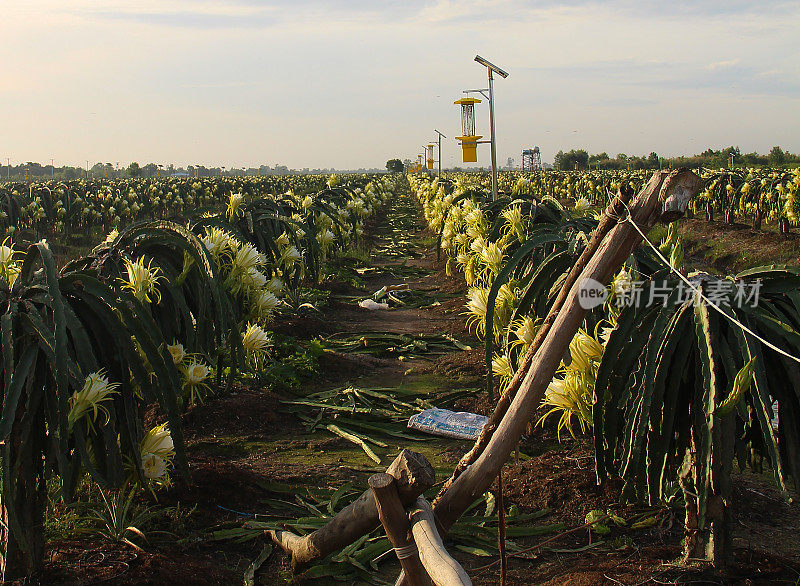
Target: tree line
(581, 159)
(32, 171)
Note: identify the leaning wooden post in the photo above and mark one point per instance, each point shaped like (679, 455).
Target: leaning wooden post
(607, 222)
(440, 565)
(665, 197)
(395, 521)
(414, 475)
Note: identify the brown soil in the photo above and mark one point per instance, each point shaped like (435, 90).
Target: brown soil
(90, 562)
(731, 248)
(239, 443)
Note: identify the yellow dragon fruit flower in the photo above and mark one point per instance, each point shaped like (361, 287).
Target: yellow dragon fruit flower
(582, 205)
(255, 342)
(195, 374)
(154, 467)
(263, 304)
(501, 367)
(158, 441)
(178, 353)
(289, 257)
(248, 257)
(217, 242)
(96, 389)
(142, 280)
(525, 331)
(477, 304)
(235, 202)
(8, 267)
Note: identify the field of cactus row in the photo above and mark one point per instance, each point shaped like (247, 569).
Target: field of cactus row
(189, 364)
(73, 207)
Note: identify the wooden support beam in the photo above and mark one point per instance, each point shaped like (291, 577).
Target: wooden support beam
(395, 521)
(665, 197)
(440, 565)
(607, 222)
(413, 474)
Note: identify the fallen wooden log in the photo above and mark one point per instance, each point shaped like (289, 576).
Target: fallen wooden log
(395, 521)
(665, 196)
(440, 565)
(413, 474)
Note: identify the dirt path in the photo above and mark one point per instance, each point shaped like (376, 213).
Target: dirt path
(244, 445)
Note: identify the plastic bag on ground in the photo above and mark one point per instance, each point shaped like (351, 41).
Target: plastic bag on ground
(445, 423)
(372, 304)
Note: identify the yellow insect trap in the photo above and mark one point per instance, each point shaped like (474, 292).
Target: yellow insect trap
(469, 140)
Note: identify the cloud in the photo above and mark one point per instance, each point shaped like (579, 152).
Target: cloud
(346, 83)
(722, 64)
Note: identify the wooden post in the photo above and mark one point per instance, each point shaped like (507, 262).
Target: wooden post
(414, 475)
(501, 529)
(395, 521)
(607, 222)
(440, 565)
(665, 197)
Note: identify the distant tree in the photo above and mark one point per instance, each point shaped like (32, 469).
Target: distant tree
(134, 170)
(731, 150)
(637, 162)
(652, 160)
(97, 170)
(777, 156)
(34, 169)
(573, 159)
(149, 170)
(394, 166)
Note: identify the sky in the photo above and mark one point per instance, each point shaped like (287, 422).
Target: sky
(321, 84)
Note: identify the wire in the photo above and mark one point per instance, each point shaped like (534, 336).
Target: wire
(699, 292)
(406, 552)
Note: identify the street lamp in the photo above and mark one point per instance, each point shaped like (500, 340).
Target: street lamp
(429, 148)
(441, 136)
(469, 140)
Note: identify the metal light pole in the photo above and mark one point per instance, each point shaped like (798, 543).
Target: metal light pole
(441, 136)
(470, 140)
(492, 69)
(492, 141)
